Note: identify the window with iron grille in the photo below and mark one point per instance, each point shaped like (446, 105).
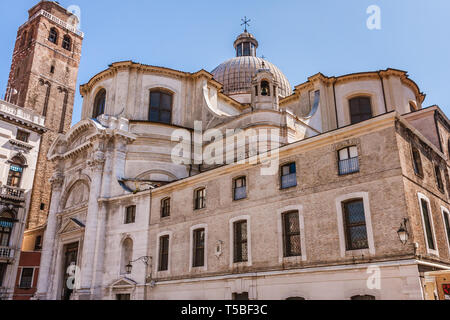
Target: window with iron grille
(164, 253)
(130, 214)
(26, 279)
(200, 199)
(439, 183)
(22, 136)
(291, 234)
(240, 242)
(360, 109)
(240, 188)
(2, 272)
(417, 162)
(348, 160)
(165, 208)
(160, 107)
(67, 43)
(199, 248)
(428, 229)
(447, 225)
(288, 176)
(53, 36)
(355, 225)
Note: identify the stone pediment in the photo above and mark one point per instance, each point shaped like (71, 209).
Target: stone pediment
(123, 283)
(71, 226)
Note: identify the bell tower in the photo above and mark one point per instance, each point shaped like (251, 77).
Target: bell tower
(43, 78)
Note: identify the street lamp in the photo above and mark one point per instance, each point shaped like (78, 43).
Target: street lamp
(403, 233)
(144, 259)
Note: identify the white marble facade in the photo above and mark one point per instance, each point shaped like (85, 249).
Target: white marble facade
(117, 160)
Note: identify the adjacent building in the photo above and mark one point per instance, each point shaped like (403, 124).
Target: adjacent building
(20, 138)
(42, 81)
(336, 190)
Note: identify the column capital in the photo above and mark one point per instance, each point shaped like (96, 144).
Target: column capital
(97, 161)
(57, 180)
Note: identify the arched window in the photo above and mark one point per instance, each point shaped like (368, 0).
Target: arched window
(67, 43)
(265, 88)
(360, 109)
(160, 106)
(53, 36)
(24, 38)
(30, 36)
(99, 103)
(127, 255)
(448, 147)
(15, 172)
(7, 220)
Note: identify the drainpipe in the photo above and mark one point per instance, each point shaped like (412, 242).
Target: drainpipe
(335, 105)
(384, 94)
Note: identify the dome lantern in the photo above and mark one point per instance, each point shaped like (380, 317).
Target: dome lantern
(246, 45)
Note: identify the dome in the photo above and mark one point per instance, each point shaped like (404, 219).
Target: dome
(236, 75)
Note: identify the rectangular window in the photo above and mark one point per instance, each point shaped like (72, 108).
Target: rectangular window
(38, 243)
(355, 225)
(439, 183)
(240, 242)
(240, 188)
(288, 176)
(199, 248)
(22, 136)
(240, 296)
(200, 199)
(291, 234)
(26, 279)
(164, 253)
(130, 215)
(348, 161)
(417, 162)
(2, 272)
(447, 225)
(427, 221)
(360, 109)
(15, 176)
(165, 208)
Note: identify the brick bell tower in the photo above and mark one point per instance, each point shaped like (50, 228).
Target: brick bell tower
(43, 78)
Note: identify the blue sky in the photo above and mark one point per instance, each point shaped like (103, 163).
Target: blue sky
(300, 37)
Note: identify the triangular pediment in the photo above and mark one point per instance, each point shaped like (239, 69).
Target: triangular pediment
(124, 282)
(69, 227)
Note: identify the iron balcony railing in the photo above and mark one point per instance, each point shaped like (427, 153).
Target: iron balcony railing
(240, 193)
(348, 166)
(289, 181)
(6, 253)
(12, 193)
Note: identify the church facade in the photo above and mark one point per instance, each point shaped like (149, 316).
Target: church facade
(336, 190)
